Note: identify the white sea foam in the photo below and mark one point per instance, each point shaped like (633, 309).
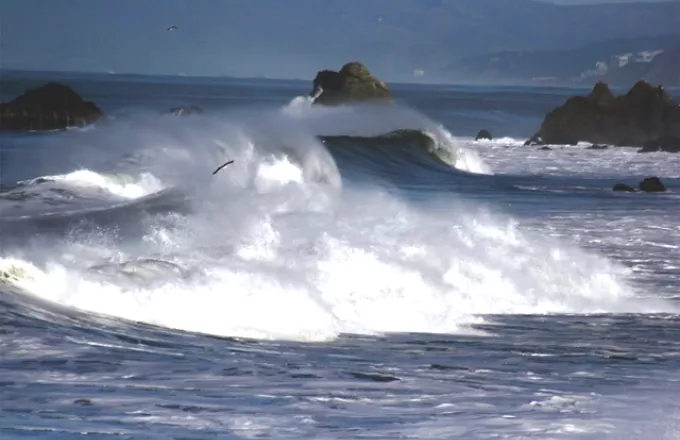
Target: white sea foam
(278, 247)
(121, 185)
(512, 157)
(296, 262)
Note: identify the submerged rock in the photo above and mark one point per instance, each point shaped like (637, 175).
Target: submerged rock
(353, 83)
(52, 106)
(652, 184)
(597, 147)
(484, 134)
(188, 110)
(644, 114)
(83, 402)
(623, 187)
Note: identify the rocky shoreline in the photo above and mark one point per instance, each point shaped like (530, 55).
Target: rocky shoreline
(56, 106)
(646, 116)
(52, 106)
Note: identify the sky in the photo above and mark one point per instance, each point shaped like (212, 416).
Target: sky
(594, 2)
(214, 37)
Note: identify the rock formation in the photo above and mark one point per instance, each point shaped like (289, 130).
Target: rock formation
(483, 134)
(353, 83)
(652, 184)
(52, 106)
(623, 187)
(648, 184)
(646, 113)
(668, 144)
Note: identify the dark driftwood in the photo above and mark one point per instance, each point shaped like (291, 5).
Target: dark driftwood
(222, 166)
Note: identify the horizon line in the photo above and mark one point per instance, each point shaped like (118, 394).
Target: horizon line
(267, 78)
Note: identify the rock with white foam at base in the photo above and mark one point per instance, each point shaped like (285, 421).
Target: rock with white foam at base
(353, 83)
(644, 114)
(53, 106)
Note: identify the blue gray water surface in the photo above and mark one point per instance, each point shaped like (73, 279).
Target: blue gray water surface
(338, 287)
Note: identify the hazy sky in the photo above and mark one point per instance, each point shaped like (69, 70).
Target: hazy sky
(130, 36)
(584, 2)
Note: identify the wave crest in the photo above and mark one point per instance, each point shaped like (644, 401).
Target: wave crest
(280, 245)
(365, 263)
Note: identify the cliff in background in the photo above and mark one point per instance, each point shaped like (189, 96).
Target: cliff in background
(619, 62)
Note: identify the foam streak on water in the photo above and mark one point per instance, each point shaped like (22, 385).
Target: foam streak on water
(638, 229)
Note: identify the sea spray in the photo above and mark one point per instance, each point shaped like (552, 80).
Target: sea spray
(278, 246)
(365, 263)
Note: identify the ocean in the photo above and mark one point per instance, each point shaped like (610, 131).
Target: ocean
(358, 272)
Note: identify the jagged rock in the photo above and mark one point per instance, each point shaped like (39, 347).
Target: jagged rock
(189, 110)
(668, 144)
(597, 147)
(534, 140)
(652, 184)
(623, 187)
(353, 83)
(643, 114)
(52, 106)
(484, 134)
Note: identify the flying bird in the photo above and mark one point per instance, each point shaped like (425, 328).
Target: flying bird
(171, 28)
(222, 166)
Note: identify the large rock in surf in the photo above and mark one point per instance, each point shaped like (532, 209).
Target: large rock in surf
(623, 187)
(483, 134)
(652, 184)
(353, 83)
(648, 184)
(52, 106)
(646, 113)
(668, 144)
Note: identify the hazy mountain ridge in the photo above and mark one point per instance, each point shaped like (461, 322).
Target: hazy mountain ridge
(273, 38)
(619, 61)
(663, 69)
(396, 37)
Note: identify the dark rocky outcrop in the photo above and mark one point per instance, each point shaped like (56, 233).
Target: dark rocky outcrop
(644, 114)
(648, 184)
(353, 83)
(188, 110)
(484, 134)
(652, 184)
(623, 187)
(668, 144)
(544, 149)
(52, 106)
(83, 402)
(534, 140)
(597, 147)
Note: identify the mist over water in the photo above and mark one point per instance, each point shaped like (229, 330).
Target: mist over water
(279, 245)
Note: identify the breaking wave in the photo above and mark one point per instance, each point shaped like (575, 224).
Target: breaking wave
(302, 237)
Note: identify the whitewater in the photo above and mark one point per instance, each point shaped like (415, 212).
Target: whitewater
(364, 271)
